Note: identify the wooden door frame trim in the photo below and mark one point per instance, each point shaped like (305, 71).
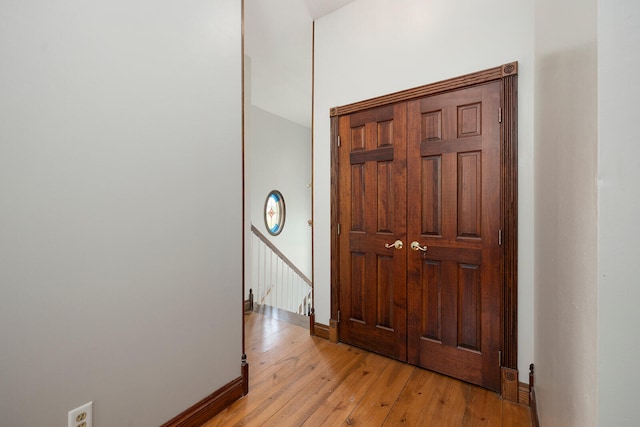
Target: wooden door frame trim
(244, 365)
(507, 74)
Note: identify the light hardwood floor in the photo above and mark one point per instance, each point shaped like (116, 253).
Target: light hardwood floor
(299, 380)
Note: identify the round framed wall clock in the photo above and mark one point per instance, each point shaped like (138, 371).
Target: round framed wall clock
(274, 213)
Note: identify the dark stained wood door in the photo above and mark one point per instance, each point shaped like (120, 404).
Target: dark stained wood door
(372, 216)
(426, 171)
(453, 212)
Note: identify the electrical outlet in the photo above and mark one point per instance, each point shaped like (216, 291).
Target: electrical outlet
(82, 416)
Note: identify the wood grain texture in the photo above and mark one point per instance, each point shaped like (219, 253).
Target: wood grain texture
(302, 380)
(510, 219)
(524, 394)
(372, 215)
(335, 241)
(510, 384)
(284, 315)
(435, 148)
(454, 288)
(321, 331)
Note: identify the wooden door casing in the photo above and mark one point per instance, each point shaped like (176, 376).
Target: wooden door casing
(505, 77)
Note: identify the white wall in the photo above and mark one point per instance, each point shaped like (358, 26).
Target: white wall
(120, 178)
(278, 48)
(278, 38)
(618, 211)
(374, 47)
(280, 156)
(565, 209)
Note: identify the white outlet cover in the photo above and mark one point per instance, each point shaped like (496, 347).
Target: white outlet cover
(87, 409)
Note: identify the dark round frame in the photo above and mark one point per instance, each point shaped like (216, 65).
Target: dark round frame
(279, 200)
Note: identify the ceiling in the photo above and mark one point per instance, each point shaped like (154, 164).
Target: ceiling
(278, 41)
(318, 8)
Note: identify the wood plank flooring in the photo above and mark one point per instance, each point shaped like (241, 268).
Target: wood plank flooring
(299, 380)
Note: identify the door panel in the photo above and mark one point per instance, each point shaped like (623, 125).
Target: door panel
(372, 194)
(469, 194)
(454, 287)
(431, 196)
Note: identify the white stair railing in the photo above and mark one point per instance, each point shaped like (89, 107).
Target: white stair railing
(275, 280)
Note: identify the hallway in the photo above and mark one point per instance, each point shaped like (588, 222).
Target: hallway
(300, 380)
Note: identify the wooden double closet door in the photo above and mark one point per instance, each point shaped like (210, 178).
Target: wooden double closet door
(419, 239)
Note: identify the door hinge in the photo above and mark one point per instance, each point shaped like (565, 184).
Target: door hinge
(500, 358)
(500, 115)
(339, 142)
(499, 237)
(338, 316)
(338, 229)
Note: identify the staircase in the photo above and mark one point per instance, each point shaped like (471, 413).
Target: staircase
(275, 280)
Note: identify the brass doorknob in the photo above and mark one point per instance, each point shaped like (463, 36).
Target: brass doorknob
(397, 244)
(417, 247)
